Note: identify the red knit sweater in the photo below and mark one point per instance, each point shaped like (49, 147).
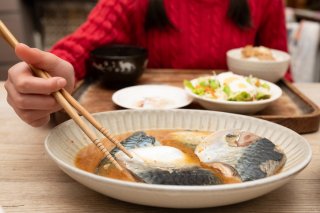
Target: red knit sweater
(202, 37)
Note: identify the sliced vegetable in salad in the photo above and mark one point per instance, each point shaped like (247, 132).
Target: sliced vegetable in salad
(229, 86)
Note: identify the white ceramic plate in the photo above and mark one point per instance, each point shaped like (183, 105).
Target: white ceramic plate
(241, 107)
(65, 140)
(151, 97)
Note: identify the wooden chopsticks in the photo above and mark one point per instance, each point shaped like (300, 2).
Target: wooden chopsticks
(70, 104)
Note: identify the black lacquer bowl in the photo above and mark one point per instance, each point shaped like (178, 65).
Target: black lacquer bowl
(117, 65)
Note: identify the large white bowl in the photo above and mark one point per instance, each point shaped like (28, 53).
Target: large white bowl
(268, 70)
(241, 107)
(64, 141)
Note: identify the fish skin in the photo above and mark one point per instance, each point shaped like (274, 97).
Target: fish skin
(136, 140)
(249, 164)
(184, 176)
(151, 165)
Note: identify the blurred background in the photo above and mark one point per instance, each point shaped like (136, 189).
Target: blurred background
(40, 23)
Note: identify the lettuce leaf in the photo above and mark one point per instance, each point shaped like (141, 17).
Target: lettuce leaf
(242, 96)
(262, 96)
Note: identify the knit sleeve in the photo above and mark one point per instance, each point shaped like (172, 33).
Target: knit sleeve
(108, 22)
(272, 30)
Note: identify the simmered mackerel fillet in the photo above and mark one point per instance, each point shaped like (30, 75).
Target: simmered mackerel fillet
(228, 156)
(252, 156)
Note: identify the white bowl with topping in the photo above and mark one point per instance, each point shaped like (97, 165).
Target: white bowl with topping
(270, 70)
(237, 84)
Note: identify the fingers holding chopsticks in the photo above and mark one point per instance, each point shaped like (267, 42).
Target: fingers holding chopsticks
(22, 79)
(35, 101)
(48, 62)
(29, 95)
(34, 109)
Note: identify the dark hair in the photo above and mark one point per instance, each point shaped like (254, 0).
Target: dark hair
(239, 13)
(156, 16)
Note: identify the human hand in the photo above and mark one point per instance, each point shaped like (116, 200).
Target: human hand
(30, 96)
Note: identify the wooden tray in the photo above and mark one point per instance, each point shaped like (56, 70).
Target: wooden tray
(293, 110)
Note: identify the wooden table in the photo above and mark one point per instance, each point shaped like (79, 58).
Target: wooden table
(31, 182)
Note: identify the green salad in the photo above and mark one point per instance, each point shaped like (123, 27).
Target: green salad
(229, 87)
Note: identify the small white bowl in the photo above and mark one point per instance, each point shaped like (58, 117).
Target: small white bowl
(268, 70)
(65, 141)
(241, 107)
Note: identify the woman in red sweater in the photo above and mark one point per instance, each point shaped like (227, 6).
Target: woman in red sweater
(177, 33)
